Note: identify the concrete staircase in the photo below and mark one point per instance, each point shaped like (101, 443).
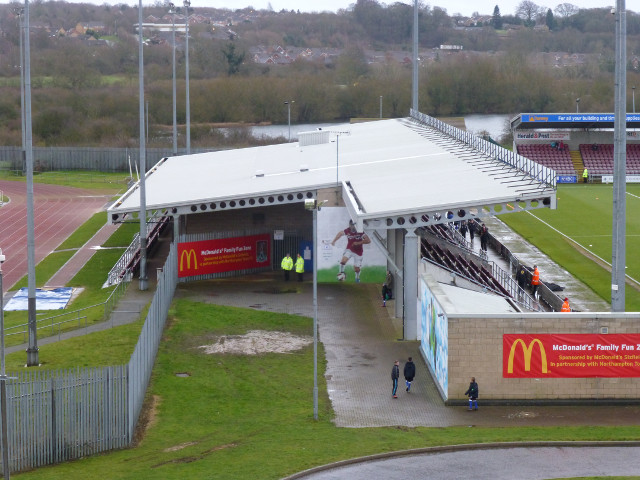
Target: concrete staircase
(578, 164)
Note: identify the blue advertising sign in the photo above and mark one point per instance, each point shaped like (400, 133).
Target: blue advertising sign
(567, 179)
(543, 118)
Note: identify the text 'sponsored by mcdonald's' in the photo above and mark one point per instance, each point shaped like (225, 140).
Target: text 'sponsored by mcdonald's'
(570, 355)
(223, 255)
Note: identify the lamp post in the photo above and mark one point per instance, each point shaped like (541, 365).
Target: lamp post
(337, 159)
(633, 98)
(3, 382)
(577, 105)
(288, 104)
(172, 12)
(187, 4)
(380, 106)
(314, 206)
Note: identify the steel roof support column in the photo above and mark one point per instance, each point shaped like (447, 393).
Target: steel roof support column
(618, 275)
(410, 293)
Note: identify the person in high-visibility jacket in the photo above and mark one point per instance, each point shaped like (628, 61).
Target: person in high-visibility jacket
(565, 306)
(535, 281)
(585, 175)
(300, 267)
(287, 265)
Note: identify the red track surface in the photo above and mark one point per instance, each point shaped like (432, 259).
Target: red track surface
(58, 212)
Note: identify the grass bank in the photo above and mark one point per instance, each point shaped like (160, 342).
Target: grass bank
(240, 416)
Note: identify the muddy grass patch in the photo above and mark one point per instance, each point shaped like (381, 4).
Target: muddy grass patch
(256, 342)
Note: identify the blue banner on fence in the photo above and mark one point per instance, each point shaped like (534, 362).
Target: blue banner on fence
(567, 179)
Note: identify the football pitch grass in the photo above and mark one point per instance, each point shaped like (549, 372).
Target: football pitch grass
(578, 236)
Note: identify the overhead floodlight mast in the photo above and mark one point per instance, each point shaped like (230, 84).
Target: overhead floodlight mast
(618, 254)
(414, 90)
(172, 12)
(32, 349)
(187, 4)
(3, 382)
(143, 285)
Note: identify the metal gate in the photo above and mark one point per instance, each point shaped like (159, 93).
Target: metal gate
(290, 243)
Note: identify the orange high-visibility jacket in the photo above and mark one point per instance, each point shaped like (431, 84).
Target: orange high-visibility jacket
(535, 280)
(566, 307)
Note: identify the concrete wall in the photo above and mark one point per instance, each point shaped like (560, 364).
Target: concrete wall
(475, 349)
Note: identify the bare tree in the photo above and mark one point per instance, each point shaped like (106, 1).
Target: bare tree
(528, 11)
(566, 10)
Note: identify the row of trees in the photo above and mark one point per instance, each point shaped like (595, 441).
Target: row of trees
(108, 115)
(87, 95)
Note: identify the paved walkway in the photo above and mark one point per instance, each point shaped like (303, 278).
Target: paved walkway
(581, 297)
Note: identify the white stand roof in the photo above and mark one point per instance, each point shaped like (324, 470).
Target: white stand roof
(394, 173)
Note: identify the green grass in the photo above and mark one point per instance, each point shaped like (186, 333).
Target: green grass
(86, 231)
(100, 182)
(584, 214)
(249, 417)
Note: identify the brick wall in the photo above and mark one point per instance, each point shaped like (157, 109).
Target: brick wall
(475, 349)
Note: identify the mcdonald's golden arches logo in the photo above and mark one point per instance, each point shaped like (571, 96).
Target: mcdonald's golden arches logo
(527, 351)
(188, 255)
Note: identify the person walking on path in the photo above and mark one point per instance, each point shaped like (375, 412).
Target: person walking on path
(535, 281)
(565, 305)
(472, 229)
(354, 248)
(287, 265)
(395, 374)
(300, 268)
(472, 392)
(387, 288)
(409, 373)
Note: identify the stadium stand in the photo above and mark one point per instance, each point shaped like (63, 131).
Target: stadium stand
(598, 158)
(558, 159)
(444, 247)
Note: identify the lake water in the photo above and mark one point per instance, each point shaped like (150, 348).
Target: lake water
(494, 124)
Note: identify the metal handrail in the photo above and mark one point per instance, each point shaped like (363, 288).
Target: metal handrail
(122, 266)
(484, 286)
(511, 285)
(533, 169)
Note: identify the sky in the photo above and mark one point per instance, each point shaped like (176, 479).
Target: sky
(464, 7)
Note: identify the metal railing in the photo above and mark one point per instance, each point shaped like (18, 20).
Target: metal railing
(529, 167)
(126, 264)
(61, 415)
(511, 285)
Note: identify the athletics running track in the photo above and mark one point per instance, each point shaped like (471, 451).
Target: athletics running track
(58, 212)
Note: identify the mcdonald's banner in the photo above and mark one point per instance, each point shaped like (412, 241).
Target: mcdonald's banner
(570, 355)
(223, 255)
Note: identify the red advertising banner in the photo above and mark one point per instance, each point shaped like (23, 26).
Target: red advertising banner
(570, 355)
(223, 255)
